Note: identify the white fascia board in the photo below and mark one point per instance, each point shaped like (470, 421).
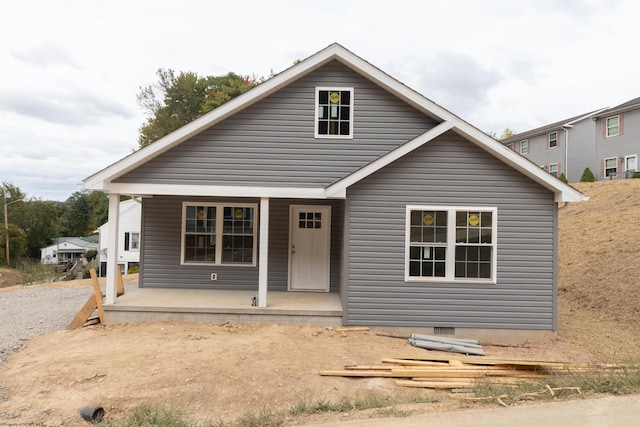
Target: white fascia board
(563, 192)
(586, 116)
(218, 191)
(99, 180)
(339, 188)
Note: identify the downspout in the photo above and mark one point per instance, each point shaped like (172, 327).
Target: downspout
(566, 128)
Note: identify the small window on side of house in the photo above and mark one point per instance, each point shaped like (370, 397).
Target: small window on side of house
(524, 146)
(613, 126)
(334, 112)
(553, 169)
(610, 167)
(553, 139)
(510, 146)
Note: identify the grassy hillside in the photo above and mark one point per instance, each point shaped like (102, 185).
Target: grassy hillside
(599, 269)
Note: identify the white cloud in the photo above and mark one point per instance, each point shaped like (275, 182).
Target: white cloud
(71, 71)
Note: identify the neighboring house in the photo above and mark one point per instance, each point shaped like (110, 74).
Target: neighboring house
(333, 177)
(68, 250)
(607, 141)
(128, 241)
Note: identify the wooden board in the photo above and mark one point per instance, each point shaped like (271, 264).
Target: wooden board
(84, 313)
(97, 293)
(481, 360)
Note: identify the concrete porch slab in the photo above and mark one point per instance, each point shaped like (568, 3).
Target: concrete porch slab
(215, 306)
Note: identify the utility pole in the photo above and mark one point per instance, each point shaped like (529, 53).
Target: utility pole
(6, 224)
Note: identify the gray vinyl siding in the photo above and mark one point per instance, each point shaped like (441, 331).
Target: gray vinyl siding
(272, 142)
(451, 172)
(160, 253)
(625, 144)
(542, 155)
(582, 150)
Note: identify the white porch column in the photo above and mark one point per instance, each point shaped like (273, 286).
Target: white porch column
(263, 266)
(112, 248)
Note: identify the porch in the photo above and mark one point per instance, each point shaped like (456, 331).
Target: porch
(218, 306)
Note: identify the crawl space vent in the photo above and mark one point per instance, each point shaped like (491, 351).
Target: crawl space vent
(444, 331)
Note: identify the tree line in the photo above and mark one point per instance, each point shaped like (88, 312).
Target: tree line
(173, 101)
(33, 223)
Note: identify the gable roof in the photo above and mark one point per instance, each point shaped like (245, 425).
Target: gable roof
(633, 104)
(551, 127)
(102, 180)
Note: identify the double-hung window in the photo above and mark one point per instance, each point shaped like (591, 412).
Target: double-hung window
(450, 244)
(610, 167)
(524, 146)
(553, 169)
(553, 139)
(334, 112)
(218, 233)
(131, 241)
(613, 126)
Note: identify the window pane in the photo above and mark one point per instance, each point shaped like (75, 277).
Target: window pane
(323, 97)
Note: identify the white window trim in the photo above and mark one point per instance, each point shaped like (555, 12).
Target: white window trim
(510, 146)
(626, 158)
(606, 125)
(604, 169)
(219, 227)
(554, 139)
(317, 100)
(451, 244)
(557, 169)
(131, 248)
(524, 146)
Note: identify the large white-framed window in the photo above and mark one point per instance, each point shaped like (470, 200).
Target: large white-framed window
(553, 140)
(524, 146)
(613, 126)
(334, 112)
(450, 244)
(610, 167)
(553, 169)
(219, 233)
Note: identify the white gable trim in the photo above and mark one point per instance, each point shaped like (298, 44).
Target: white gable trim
(102, 180)
(339, 188)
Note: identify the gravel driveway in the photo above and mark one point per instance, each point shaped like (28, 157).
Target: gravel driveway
(30, 311)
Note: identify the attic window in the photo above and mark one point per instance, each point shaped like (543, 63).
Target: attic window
(334, 112)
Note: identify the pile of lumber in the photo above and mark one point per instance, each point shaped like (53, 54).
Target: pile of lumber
(441, 372)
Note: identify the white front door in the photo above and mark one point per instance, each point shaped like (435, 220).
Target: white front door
(631, 163)
(309, 248)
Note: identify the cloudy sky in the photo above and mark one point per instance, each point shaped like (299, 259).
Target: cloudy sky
(70, 70)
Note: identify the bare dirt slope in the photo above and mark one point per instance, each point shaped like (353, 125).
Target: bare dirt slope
(219, 372)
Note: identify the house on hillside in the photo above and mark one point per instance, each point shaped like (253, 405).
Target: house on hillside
(607, 141)
(334, 181)
(68, 250)
(128, 240)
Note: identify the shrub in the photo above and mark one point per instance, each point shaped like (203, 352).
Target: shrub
(635, 175)
(563, 178)
(587, 176)
(133, 269)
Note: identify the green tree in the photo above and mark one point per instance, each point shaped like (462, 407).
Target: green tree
(587, 176)
(177, 99)
(78, 219)
(563, 178)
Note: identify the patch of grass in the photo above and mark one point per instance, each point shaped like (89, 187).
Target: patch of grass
(154, 416)
(625, 380)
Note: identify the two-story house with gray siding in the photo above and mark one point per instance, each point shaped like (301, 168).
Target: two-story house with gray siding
(607, 141)
(333, 178)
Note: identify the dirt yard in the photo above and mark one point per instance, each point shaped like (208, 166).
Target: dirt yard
(220, 372)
